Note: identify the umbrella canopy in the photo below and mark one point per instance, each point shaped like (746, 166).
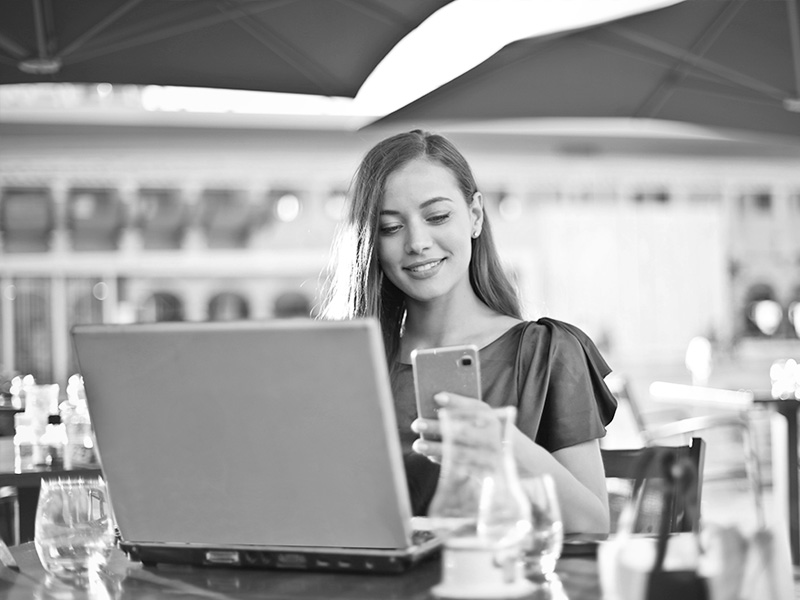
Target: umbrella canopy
(732, 64)
(325, 47)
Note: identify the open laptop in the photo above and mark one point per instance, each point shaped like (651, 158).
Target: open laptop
(256, 444)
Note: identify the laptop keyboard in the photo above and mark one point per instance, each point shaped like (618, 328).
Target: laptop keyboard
(422, 536)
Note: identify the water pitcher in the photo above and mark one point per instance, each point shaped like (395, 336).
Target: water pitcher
(480, 506)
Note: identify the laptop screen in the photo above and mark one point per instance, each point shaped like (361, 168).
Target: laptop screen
(273, 433)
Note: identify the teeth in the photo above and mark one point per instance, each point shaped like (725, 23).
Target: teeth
(425, 267)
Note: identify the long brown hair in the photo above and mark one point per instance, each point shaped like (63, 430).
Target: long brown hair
(356, 286)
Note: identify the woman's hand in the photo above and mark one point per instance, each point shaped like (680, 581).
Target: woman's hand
(474, 439)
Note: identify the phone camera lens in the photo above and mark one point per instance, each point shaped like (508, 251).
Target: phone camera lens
(466, 361)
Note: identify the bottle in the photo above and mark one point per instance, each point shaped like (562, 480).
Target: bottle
(79, 449)
(53, 442)
(24, 442)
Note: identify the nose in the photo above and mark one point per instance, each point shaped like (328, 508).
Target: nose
(418, 239)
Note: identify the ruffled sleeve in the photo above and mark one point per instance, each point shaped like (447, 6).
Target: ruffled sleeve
(563, 398)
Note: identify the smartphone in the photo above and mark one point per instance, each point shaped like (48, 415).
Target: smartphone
(453, 369)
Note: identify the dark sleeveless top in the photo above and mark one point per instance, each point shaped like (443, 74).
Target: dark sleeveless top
(549, 370)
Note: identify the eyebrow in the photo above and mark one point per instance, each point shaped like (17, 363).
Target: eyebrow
(424, 204)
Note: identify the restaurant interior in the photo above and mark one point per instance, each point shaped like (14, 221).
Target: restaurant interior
(120, 206)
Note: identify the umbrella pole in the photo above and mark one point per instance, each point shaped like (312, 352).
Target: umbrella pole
(43, 64)
(794, 31)
(41, 34)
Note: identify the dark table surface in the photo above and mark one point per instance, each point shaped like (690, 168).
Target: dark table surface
(577, 577)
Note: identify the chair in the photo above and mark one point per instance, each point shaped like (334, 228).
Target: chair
(9, 515)
(730, 413)
(621, 470)
(632, 421)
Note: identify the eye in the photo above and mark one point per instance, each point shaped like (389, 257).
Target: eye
(439, 218)
(389, 228)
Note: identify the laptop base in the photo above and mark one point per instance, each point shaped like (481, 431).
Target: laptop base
(337, 561)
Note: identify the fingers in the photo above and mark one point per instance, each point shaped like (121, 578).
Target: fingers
(426, 427)
(450, 400)
(472, 459)
(475, 435)
(429, 443)
(430, 449)
(476, 428)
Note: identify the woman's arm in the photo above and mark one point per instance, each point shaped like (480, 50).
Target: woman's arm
(580, 481)
(577, 470)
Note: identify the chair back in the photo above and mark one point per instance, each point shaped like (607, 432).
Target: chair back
(622, 466)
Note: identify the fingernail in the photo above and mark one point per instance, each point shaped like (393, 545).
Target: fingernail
(419, 426)
(420, 446)
(442, 398)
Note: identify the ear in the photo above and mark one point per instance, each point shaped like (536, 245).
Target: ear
(476, 213)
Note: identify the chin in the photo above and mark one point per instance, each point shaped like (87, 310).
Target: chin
(429, 294)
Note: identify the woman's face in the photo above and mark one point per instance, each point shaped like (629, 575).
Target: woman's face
(425, 230)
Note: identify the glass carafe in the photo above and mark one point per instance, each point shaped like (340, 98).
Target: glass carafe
(479, 505)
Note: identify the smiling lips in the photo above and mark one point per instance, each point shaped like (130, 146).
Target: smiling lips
(424, 269)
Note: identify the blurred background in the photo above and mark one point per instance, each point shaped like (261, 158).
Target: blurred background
(673, 244)
(167, 161)
(113, 212)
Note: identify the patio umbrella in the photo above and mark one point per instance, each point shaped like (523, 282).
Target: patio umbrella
(730, 64)
(326, 47)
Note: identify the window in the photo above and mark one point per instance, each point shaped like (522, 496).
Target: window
(161, 306)
(33, 340)
(652, 196)
(26, 219)
(763, 314)
(292, 304)
(758, 202)
(161, 215)
(85, 305)
(228, 306)
(95, 218)
(762, 202)
(227, 217)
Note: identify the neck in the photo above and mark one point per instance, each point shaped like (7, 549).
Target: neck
(444, 322)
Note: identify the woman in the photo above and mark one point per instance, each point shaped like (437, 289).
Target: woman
(416, 251)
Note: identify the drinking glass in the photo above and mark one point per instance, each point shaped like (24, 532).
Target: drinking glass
(543, 549)
(548, 587)
(74, 531)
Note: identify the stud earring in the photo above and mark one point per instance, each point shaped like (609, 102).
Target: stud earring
(476, 233)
